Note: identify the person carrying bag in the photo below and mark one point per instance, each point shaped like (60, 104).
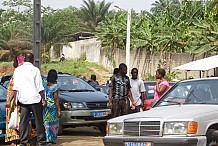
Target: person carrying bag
(13, 122)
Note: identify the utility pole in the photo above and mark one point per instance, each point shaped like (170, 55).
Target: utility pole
(37, 32)
(128, 41)
(127, 38)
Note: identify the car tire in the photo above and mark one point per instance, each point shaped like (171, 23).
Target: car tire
(60, 129)
(212, 137)
(102, 128)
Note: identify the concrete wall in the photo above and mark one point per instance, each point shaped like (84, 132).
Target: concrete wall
(89, 48)
(140, 59)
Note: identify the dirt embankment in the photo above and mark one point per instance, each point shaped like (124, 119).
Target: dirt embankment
(102, 75)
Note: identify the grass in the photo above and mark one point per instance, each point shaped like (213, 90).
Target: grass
(79, 68)
(5, 63)
(75, 67)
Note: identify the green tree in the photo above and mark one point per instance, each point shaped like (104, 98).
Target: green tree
(204, 32)
(92, 13)
(57, 28)
(15, 28)
(112, 34)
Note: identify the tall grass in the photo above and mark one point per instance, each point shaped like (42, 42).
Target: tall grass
(74, 67)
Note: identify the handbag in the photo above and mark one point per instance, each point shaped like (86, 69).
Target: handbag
(13, 122)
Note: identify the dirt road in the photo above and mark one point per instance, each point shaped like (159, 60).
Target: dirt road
(84, 136)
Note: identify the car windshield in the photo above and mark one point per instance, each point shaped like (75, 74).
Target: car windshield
(71, 83)
(104, 89)
(191, 92)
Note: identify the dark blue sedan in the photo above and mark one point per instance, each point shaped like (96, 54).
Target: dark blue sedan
(2, 111)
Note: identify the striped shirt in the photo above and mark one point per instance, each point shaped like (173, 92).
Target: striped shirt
(121, 86)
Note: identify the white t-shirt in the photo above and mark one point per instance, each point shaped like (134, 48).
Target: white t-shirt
(137, 87)
(28, 83)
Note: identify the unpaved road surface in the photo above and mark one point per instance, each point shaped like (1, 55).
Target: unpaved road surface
(83, 136)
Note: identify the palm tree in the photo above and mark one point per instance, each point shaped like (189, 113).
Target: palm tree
(92, 13)
(203, 35)
(15, 39)
(113, 34)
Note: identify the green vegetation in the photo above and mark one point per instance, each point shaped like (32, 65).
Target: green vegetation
(172, 26)
(92, 13)
(169, 77)
(6, 63)
(75, 67)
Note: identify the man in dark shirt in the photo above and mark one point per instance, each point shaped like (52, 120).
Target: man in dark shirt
(120, 92)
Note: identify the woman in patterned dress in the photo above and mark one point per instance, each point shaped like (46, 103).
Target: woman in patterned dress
(13, 135)
(52, 112)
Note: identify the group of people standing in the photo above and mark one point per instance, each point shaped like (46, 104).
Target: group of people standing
(27, 91)
(127, 95)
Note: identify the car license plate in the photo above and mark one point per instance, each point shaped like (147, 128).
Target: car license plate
(99, 114)
(137, 143)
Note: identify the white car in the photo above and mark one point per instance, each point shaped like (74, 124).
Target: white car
(187, 115)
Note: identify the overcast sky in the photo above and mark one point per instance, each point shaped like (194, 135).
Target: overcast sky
(137, 5)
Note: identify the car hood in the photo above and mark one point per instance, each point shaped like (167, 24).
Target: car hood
(83, 96)
(173, 113)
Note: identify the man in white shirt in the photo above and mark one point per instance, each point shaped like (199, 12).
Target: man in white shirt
(28, 84)
(138, 90)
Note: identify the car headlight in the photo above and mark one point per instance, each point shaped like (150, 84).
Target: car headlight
(77, 105)
(115, 128)
(180, 128)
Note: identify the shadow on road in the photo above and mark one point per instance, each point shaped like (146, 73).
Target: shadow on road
(82, 136)
(82, 131)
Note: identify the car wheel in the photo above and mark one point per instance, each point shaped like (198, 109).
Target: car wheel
(102, 128)
(60, 129)
(212, 137)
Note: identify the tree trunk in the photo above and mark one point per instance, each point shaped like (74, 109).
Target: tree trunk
(169, 62)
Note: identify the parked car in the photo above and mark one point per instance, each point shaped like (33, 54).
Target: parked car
(81, 104)
(2, 111)
(149, 86)
(185, 116)
(5, 80)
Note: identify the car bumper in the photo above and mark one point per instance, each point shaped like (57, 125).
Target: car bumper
(83, 117)
(2, 133)
(156, 141)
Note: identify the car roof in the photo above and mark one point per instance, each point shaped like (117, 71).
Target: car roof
(156, 81)
(200, 79)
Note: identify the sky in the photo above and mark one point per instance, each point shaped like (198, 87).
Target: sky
(137, 5)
